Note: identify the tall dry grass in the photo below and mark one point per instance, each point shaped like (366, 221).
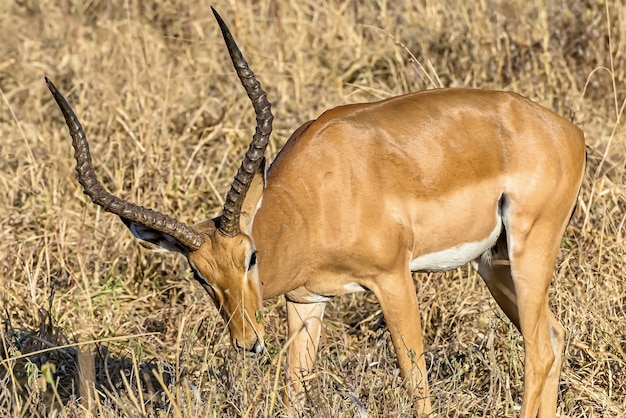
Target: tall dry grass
(93, 324)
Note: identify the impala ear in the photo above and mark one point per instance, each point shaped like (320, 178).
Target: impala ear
(253, 199)
(155, 240)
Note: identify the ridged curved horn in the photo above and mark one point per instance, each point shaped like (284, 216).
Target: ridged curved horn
(229, 225)
(94, 189)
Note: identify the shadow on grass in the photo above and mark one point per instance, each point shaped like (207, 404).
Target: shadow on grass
(43, 372)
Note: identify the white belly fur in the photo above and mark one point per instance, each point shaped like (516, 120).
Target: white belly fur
(454, 257)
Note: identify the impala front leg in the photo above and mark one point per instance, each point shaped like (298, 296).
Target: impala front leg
(398, 302)
(304, 321)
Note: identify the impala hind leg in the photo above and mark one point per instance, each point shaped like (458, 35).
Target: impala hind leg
(519, 283)
(400, 308)
(304, 322)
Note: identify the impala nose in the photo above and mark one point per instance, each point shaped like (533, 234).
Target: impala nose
(257, 347)
(253, 349)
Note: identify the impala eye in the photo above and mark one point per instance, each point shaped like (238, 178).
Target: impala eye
(252, 261)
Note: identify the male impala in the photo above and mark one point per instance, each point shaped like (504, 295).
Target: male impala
(368, 193)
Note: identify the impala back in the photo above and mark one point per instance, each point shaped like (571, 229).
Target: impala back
(370, 187)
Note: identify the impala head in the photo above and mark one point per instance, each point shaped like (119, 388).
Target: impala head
(220, 251)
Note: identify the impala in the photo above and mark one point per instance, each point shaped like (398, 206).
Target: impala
(369, 193)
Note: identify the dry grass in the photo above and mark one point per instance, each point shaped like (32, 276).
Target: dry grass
(84, 305)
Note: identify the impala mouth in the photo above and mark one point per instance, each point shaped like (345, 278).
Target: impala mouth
(255, 349)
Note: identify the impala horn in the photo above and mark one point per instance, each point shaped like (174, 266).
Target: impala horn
(229, 225)
(127, 211)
